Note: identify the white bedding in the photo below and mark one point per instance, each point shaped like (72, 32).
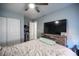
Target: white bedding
(36, 48)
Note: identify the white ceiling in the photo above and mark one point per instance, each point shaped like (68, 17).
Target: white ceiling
(31, 13)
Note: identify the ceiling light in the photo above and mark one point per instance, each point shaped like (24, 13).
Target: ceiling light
(56, 22)
(31, 5)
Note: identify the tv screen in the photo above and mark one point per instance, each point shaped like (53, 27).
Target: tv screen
(55, 27)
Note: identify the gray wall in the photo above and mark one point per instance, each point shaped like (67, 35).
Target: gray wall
(10, 14)
(26, 20)
(71, 13)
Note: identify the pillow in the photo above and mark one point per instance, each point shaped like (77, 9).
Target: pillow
(47, 41)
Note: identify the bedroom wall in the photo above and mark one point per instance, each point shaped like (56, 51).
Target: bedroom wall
(78, 22)
(26, 20)
(10, 14)
(71, 14)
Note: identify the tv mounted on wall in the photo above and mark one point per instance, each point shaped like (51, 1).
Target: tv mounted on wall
(55, 27)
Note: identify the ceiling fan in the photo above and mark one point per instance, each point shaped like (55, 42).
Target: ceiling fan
(35, 6)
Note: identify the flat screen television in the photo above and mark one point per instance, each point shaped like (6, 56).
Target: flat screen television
(55, 27)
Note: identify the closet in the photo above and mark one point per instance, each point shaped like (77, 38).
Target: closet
(9, 31)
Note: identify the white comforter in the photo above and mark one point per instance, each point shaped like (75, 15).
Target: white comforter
(36, 48)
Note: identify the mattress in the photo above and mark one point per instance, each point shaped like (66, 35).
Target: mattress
(36, 48)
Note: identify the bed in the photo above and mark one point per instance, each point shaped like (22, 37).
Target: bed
(36, 48)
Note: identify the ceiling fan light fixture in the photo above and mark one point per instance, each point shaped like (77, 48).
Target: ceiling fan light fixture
(31, 5)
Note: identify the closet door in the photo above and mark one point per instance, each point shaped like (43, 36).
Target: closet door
(2, 31)
(13, 31)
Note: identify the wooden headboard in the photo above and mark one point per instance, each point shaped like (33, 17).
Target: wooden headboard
(57, 38)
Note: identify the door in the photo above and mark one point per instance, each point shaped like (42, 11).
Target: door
(2, 31)
(33, 30)
(13, 31)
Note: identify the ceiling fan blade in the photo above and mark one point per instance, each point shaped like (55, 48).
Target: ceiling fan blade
(41, 3)
(37, 9)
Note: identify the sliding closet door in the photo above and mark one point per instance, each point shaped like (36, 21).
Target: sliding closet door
(2, 31)
(13, 31)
